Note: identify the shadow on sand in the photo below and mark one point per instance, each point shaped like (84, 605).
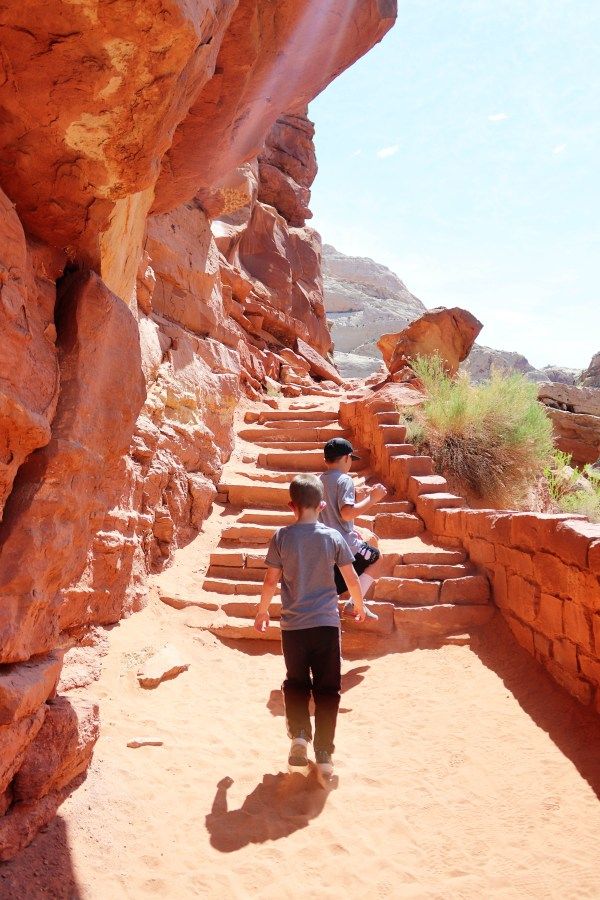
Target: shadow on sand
(350, 680)
(277, 807)
(575, 729)
(43, 870)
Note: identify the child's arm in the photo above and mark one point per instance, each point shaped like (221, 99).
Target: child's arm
(352, 583)
(374, 495)
(272, 576)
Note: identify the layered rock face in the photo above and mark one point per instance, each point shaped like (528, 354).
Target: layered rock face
(591, 376)
(482, 362)
(575, 414)
(155, 265)
(363, 300)
(447, 333)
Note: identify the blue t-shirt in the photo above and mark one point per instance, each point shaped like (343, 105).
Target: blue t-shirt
(306, 555)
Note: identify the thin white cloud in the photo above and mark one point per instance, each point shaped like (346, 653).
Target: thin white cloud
(560, 148)
(356, 153)
(388, 151)
(498, 117)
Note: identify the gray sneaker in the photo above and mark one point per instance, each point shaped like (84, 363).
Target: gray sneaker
(298, 758)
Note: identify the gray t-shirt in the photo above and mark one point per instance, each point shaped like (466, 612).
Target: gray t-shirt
(306, 554)
(338, 490)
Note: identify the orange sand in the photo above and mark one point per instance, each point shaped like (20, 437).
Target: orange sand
(463, 773)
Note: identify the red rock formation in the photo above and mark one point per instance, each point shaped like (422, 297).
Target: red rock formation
(122, 79)
(28, 363)
(116, 415)
(575, 414)
(270, 61)
(288, 167)
(450, 333)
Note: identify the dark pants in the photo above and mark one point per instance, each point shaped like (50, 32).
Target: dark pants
(366, 556)
(316, 652)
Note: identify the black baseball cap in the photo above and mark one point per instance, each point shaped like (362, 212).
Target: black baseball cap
(338, 447)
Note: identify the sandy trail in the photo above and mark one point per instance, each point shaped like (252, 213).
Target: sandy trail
(463, 772)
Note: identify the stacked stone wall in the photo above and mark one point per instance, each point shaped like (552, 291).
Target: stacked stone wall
(544, 569)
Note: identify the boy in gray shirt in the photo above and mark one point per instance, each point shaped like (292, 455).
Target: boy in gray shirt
(341, 508)
(303, 556)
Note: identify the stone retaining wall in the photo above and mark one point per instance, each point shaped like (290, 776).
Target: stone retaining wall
(544, 569)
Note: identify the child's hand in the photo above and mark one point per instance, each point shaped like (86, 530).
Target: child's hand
(261, 622)
(359, 613)
(378, 492)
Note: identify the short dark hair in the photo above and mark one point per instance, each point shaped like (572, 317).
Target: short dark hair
(306, 491)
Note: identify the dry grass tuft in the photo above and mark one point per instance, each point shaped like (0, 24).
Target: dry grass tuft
(492, 440)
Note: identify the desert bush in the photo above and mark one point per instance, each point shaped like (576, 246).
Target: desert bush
(492, 440)
(571, 490)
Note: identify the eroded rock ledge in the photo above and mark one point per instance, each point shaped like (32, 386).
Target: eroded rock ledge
(155, 265)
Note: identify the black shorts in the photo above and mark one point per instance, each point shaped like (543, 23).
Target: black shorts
(365, 557)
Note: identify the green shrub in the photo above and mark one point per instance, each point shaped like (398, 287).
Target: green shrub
(492, 439)
(572, 491)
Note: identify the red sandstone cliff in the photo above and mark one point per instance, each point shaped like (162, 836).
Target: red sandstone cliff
(155, 173)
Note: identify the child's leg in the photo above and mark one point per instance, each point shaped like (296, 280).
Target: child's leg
(297, 685)
(326, 665)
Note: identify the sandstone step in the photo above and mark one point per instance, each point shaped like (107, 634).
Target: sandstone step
(393, 506)
(260, 476)
(469, 589)
(426, 504)
(234, 573)
(260, 534)
(425, 484)
(434, 556)
(383, 625)
(297, 415)
(266, 517)
(227, 558)
(303, 432)
(243, 629)
(246, 609)
(304, 461)
(403, 467)
(290, 445)
(407, 591)
(237, 558)
(442, 619)
(225, 586)
(400, 450)
(429, 572)
(387, 418)
(391, 434)
(248, 493)
(397, 525)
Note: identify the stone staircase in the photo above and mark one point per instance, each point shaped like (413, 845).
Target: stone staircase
(428, 593)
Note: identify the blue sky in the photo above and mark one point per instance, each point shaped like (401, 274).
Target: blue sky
(463, 152)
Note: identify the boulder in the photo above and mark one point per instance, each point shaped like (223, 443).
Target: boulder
(575, 414)
(319, 366)
(162, 666)
(61, 750)
(450, 333)
(15, 738)
(24, 687)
